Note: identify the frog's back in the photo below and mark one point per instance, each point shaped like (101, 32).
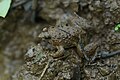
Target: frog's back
(65, 36)
(65, 32)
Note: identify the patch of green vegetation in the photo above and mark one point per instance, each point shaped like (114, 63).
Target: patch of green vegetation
(4, 7)
(117, 27)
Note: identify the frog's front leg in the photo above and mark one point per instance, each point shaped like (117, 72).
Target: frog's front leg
(80, 48)
(81, 51)
(92, 49)
(59, 53)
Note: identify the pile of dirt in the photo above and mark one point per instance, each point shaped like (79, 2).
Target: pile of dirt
(26, 19)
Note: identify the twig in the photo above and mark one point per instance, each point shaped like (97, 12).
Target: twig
(46, 67)
(111, 54)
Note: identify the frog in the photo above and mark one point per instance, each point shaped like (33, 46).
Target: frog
(65, 34)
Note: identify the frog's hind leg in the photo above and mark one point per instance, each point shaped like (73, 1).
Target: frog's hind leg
(60, 52)
(95, 55)
(80, 50)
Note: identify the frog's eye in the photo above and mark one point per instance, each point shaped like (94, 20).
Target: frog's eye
(45, 29)
(66, 24)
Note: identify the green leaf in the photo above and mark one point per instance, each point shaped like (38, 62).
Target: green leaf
(4, 7)
(116, 28)
(118, 25)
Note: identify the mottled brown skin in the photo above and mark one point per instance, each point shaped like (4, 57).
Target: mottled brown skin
(66, 34)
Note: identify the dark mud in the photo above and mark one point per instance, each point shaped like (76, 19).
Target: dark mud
(23, 58)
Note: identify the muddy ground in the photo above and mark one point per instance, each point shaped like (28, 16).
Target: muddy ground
(23, 58)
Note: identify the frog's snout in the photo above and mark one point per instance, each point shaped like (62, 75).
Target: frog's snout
(41, 35)
(44, 35)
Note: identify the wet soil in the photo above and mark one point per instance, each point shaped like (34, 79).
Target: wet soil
(22, 58)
